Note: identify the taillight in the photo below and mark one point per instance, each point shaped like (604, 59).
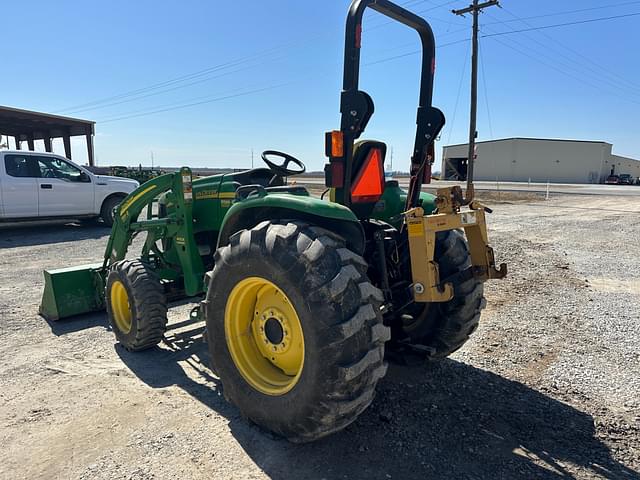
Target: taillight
(334, 175)
(334, 149)
(334, 144)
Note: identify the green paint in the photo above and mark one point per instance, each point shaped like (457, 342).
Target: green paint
(71, 291)
(176, 229)
(391, 206)
(300, 203)
(170, 245)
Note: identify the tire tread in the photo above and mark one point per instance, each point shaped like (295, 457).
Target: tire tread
(150, 302)
(353, 339)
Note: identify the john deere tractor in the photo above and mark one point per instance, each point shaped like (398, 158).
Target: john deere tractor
(300, 295)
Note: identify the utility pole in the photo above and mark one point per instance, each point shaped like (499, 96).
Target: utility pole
(252, 158)
(475, 9)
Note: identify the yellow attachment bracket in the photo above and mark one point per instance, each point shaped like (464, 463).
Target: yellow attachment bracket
(422, 229)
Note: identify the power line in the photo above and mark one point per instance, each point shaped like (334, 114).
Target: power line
(475, 10)
(175, 87)
(566, 12)
(444, 4)
(197, 74)
(579, 79)
(175, 104)
(180, 106)
(245, 59)
(597, 75)
(462, 76)
(437, 6)
(217, 99)
(583, 78)
(207, 99)
(413, 3)
(178, 82)
(409, 3)
(413, 52)
(563, 24)
(599, 69)
(153, 86)
(204, 100)
(600, 73)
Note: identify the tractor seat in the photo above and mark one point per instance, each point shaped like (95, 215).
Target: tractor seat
(255, 176)
(263, 179)
(243, 191)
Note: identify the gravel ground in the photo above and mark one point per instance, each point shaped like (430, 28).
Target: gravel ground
(548, 387)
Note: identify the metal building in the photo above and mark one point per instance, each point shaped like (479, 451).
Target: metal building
(538, 160)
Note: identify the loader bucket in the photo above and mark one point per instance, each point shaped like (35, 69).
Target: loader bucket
(72, 291)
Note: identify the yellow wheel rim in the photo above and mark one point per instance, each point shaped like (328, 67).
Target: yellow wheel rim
(120, 308)
(264, 336)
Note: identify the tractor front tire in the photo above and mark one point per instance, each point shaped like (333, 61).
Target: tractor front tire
(445, 327)
(294, 329)
(136, 305)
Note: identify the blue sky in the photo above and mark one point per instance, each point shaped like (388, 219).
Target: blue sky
(284, 60)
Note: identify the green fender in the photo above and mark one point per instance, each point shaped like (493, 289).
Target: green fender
(391, 206)
(287, 206)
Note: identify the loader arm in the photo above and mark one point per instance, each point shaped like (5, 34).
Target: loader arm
(129, 210)
(177, 225)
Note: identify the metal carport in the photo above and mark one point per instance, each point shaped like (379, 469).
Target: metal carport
(29, 126)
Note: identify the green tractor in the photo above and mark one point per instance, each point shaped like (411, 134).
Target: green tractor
(300, 295)
(140, 174)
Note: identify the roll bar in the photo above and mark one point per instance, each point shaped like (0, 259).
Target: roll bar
(391, 10)
(356, 107)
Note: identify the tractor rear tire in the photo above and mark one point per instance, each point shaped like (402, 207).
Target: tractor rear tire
(445, 327)
(329, 313)
(136, 305)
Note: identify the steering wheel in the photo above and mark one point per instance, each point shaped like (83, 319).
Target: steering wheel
(282, 169)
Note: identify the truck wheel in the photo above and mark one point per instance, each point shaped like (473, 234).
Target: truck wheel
(294, 329)
(445, 327)
(136, 305)
(106, 212)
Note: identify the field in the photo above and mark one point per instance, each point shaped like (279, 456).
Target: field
(548, 387)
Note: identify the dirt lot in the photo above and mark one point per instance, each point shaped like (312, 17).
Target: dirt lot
(549, 386)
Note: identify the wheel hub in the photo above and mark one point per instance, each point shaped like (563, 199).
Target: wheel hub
(273, 331)
(264, 336)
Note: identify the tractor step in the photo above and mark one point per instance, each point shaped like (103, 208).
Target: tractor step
(72, 291)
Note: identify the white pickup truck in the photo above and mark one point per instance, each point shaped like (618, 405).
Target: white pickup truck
(38, 186)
